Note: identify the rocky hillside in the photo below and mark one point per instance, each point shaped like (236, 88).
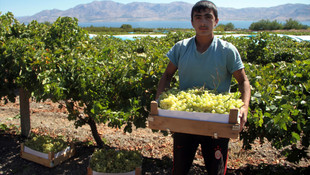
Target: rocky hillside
(110, 11)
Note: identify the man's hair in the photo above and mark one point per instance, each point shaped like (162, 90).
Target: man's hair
(202, 5)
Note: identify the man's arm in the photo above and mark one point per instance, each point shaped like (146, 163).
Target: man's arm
(166, 79)
(245, 89)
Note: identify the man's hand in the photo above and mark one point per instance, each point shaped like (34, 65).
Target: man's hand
(243, 114)
(245, 89)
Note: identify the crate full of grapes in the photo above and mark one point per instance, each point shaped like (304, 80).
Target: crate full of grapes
(197, 111)
(115, 162)
(46, 150)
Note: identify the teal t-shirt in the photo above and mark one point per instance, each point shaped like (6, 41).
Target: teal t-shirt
(212, 69)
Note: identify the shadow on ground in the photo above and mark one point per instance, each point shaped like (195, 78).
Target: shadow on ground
(12, 163)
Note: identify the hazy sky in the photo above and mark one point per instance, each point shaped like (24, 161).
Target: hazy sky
(31, 7)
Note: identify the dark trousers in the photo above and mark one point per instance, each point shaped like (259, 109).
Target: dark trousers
(214, 151)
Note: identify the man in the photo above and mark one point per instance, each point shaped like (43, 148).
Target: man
(204, 60)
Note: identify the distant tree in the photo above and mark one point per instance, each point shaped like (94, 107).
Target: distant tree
(275, 25)
(293, 24)
(229, 26)
(225, 27)
(220, 27)
(257, 25)
(47, 23)
(126, 26)
(266, 25)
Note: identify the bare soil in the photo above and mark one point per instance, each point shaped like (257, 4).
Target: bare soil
(48, 118)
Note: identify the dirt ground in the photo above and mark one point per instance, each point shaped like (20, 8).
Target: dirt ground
(156, 148)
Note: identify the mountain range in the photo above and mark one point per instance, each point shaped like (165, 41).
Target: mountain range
(110, 11)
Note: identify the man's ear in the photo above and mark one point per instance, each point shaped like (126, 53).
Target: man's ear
(216, 22)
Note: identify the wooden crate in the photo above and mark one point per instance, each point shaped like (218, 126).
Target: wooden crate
(49, 160)
(137, 171)
(195, 122)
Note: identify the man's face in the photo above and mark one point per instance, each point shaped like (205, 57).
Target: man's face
(204, 22)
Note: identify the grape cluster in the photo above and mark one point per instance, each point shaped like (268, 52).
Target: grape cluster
(115, 161)
(46, 144)
(199, 100)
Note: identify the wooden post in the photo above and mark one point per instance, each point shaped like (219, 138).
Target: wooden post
(24, 112)
(22, 148)
(233, 116)
(234, 119)
(154, 108)
(138, 171)
(89, 171)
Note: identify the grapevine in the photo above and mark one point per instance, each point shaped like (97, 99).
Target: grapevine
(109, 81)
(199, 100)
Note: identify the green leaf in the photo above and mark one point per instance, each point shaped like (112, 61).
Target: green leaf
(295, 136)
(299, 75)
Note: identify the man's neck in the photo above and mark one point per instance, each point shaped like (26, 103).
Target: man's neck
(203, 42)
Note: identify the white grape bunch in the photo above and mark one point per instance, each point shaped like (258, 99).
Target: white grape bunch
(46, 144)
(115, 161)
(199, 100)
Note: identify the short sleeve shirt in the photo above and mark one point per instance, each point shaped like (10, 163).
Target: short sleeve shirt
(212, 69)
